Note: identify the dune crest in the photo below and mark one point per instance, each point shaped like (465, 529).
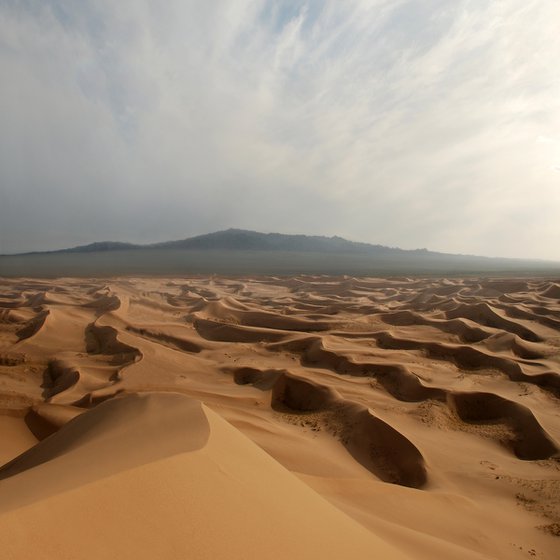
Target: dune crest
(166, 452)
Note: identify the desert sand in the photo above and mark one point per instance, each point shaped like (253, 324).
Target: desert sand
(268, 417)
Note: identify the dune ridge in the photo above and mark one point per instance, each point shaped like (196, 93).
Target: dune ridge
(399, 418)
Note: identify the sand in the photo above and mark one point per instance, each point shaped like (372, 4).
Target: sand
(303, 417)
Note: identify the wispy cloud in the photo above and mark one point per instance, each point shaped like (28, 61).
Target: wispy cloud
(405, 123)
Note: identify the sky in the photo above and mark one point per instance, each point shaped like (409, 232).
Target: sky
(407, 123)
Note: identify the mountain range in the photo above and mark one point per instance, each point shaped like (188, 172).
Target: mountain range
(243, 252)
(245, 240)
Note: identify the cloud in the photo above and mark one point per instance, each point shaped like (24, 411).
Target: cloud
(403, 123)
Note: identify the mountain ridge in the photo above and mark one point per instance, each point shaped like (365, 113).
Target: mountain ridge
(246, 240)
(245, 252)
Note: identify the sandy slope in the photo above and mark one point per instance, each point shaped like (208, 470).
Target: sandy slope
(341, 417)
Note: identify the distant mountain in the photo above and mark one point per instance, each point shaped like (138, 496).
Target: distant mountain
(245, 240)
(100, 246)
(242, 252)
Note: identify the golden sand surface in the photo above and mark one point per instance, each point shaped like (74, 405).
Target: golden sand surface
(268, 417)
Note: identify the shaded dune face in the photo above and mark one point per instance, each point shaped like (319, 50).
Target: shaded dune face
(120, 419)
(372, 442)
(529, 440)
(348, 378)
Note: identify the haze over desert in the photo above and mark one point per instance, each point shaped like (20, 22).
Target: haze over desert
(280, 417)
(279, 279)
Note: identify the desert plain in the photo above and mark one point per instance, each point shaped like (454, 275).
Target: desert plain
(280, 417)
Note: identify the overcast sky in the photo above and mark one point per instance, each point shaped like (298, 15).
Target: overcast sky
(413, 123)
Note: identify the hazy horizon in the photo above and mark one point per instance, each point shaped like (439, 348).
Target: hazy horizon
(148, 244)
(406, 124)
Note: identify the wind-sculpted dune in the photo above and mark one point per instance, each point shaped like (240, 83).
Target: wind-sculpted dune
(303, 417)
(529, 440)
(372, 442)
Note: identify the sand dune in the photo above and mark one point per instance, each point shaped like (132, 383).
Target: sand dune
(303, 417)
(166, 478)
